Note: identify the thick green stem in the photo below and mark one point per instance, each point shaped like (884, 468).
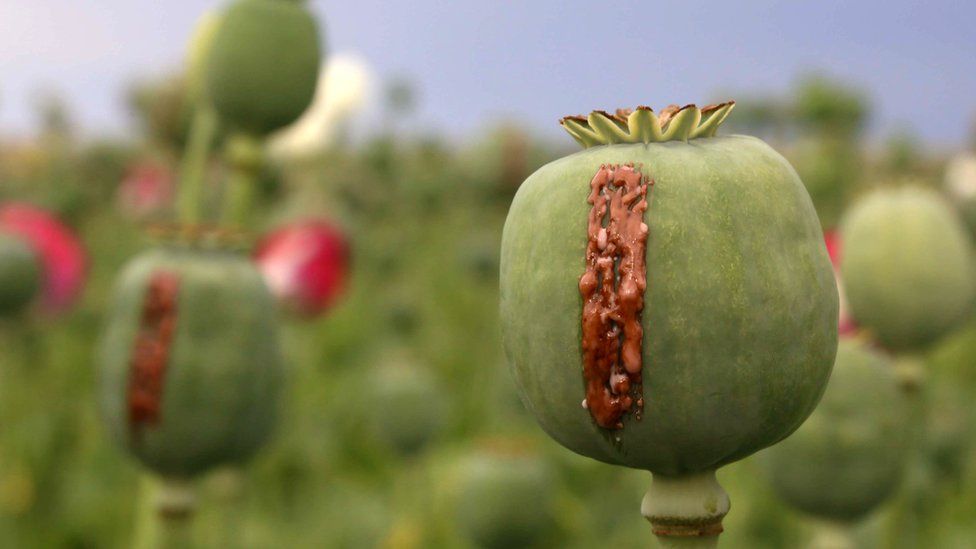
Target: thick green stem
(166, 520)
(230, 495)
(833, 535)
(906, 528)
(686, 512)
(239, 197)
(193, 168)
(243, 156)
(706, 542)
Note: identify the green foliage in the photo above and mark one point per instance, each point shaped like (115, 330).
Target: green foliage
(831, 169)
(426, 228)
(827, 106)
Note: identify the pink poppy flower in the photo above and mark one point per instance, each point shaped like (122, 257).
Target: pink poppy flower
(305, 264)
(62, 254)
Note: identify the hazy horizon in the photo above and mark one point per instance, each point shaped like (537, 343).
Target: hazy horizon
(472, 62)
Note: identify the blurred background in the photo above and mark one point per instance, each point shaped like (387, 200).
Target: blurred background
(430, 116)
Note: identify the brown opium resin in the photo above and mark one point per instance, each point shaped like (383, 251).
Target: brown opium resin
(612, 287)
(150, 355)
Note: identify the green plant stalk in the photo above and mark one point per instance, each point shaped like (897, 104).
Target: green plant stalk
(239, 197)
(833, 535)
(686, 512)
(703, 542)
(242, 155)
(165, 515)
(232, 501)
(906, 528)
(193, 166)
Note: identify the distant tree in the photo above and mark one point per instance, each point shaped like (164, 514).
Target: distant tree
(825, 105)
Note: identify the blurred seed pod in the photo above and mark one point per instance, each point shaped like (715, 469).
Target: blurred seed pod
(908, 267)
(198, 54)
(502, 497)
(190, 361)
(263, 64)
(397, 408)
(851, 453)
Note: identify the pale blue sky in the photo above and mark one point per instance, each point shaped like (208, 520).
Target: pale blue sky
(474, 60)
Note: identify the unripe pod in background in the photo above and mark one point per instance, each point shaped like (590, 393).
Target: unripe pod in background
(503, 499)
(908, 267)
(850, 455)
(410, 409)
(190, 361)
(263, 64)
(20, 275)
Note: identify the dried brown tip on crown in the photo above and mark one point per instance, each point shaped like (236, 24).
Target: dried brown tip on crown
(715, 106)
(642, 125)
(575, 118)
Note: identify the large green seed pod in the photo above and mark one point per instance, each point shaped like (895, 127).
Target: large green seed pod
(907, 267)
(850, 454)
(190, 360)
(721, 348)
(263, 64)
(20, 275)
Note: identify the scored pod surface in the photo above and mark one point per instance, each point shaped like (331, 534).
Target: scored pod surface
(190, 360)
(668, 303)
(667, 300)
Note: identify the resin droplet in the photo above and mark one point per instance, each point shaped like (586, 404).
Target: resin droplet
(150, 355)
(612, 287)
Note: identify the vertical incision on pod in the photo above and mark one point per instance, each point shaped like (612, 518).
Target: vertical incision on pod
(150, 355)
(612, 287)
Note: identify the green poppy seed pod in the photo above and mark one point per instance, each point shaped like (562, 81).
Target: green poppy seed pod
(20, 275)
(199, 53)
(667, 300)
(907, 267)
(503, 500)
(263, 64)
(850, 455)
(401, 410)
(190, 361)
(410, 411)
